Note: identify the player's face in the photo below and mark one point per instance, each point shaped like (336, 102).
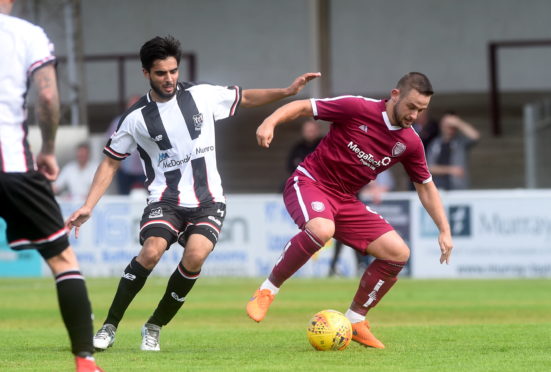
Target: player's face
(163, 77)
(408, 107)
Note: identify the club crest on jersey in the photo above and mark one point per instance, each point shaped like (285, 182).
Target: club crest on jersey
(198, 121)
(156, 213)
(398, 149)
(318, 206)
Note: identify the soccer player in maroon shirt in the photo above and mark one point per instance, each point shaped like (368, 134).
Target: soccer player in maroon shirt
(367, 136)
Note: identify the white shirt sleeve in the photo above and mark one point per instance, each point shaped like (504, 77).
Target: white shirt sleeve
(40, 50)
(122, 142)
(224, 100)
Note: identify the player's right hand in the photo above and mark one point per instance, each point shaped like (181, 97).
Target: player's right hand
(77, 219)
(265, 134)
(47, 165)
(446, 246)
(301, 81)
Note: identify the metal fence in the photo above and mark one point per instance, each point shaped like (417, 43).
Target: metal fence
(537, 144)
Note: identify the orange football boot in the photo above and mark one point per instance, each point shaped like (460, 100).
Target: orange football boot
(361, 334)
(87, 365)
(259, 304)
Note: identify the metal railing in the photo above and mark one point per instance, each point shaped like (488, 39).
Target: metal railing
(121, 59)
(493, 66)
(537, 140)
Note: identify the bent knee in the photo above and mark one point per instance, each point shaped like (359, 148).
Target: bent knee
(401, 254)
(152, 251)
(322, 228)
(389, 246)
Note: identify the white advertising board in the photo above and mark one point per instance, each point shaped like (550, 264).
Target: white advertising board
(497, 234)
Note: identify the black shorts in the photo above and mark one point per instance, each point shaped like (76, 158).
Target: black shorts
(32, 215)
(174, 223)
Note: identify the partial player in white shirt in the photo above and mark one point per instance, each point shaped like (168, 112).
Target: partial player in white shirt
(28, 206)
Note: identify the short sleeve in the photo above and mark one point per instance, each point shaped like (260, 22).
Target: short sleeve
(415, 165)
(225, 100)
(40, 50)
(336, 109)
(122, 143)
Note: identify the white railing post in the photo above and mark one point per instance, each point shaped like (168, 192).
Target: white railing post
(530, 174)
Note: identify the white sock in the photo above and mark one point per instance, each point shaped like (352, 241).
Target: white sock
(268, 285)
(354, 317)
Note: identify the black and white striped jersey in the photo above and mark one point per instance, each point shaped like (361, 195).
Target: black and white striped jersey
(176, 142)
(24, 48)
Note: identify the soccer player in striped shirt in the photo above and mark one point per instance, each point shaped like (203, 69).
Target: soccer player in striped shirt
(367, 136)
(173, 129)
(28, 206)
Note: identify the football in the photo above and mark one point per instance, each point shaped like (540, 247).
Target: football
(329, 330)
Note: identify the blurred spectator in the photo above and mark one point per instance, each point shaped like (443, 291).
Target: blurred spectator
(371, 193)
(447, 155)
(130, 175)
(426, 127)
(76, 176)
(311, 136)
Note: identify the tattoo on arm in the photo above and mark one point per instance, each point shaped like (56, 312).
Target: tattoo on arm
(47, 108)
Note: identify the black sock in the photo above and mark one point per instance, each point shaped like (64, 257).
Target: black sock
(76, 310)
(180, 283)
(132, 281)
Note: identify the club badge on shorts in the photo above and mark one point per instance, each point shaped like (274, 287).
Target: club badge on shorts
(156, 213)
(318, 206)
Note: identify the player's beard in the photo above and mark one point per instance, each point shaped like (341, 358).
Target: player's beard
(160, 93)
(399, 120)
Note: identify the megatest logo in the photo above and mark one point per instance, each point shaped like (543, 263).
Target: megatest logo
(366, 158)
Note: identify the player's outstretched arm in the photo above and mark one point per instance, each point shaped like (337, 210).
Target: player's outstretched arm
(430, 198)
(288, 112)
(259, 97)
(102, 179)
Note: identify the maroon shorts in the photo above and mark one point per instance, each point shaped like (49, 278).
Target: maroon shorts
(356, 224)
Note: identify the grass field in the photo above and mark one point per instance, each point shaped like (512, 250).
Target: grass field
(446, 325)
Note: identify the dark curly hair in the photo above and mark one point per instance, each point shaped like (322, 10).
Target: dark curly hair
(160, 48)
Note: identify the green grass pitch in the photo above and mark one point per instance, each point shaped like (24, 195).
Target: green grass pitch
(427, 325)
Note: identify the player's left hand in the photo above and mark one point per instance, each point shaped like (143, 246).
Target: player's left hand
(301, 81)
(446, 246)
(77, 219)
(47, 165)
(265, 134)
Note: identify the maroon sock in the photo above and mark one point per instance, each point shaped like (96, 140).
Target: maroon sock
(296, 253)
(377, 280)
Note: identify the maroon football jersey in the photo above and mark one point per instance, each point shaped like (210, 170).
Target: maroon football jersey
(361, 143)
